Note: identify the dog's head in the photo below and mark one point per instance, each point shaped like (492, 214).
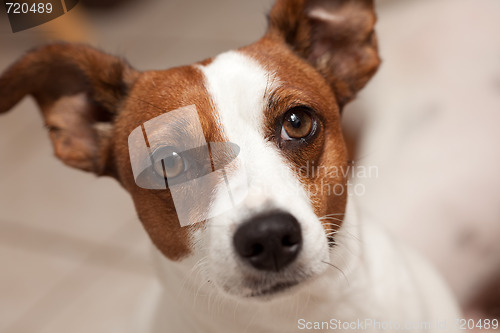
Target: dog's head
(268, 113)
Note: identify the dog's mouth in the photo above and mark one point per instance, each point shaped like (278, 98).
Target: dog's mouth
(275, 289)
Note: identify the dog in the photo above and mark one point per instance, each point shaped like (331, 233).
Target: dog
(213, 155)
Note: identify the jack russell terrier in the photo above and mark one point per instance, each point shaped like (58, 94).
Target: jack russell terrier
(213, 155)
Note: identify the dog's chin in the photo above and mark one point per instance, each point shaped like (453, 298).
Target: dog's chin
(273, 289)
(264, 293)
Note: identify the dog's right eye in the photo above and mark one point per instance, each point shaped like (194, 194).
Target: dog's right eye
(168, 163)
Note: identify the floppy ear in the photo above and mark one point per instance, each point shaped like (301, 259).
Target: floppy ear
(79, 91)
(335, 36)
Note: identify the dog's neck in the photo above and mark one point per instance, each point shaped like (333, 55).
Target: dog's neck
(191, 300)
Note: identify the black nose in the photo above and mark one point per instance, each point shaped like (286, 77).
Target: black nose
(269, 242)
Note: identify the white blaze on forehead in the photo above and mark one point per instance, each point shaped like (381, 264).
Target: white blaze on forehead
(239, 88)
(237, 85)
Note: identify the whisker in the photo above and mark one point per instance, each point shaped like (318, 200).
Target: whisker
(332, 265)
(331, 218)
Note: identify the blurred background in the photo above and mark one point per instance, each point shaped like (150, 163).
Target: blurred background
(74, 257)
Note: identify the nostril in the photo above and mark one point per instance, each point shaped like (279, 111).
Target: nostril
(256, 250)
(289, 240)
(269, 242)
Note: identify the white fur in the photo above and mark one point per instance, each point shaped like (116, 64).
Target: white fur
(375, 278)
(385, 282)
(237, 86)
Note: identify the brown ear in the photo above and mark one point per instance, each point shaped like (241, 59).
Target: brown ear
(79, 91)
(335, 36)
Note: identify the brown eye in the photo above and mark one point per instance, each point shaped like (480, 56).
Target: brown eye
(297, 124)
(171, 161)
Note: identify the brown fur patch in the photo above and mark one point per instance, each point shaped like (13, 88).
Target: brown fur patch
(323, 52)
(154, 94)
(301, 84)
(92, 101)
